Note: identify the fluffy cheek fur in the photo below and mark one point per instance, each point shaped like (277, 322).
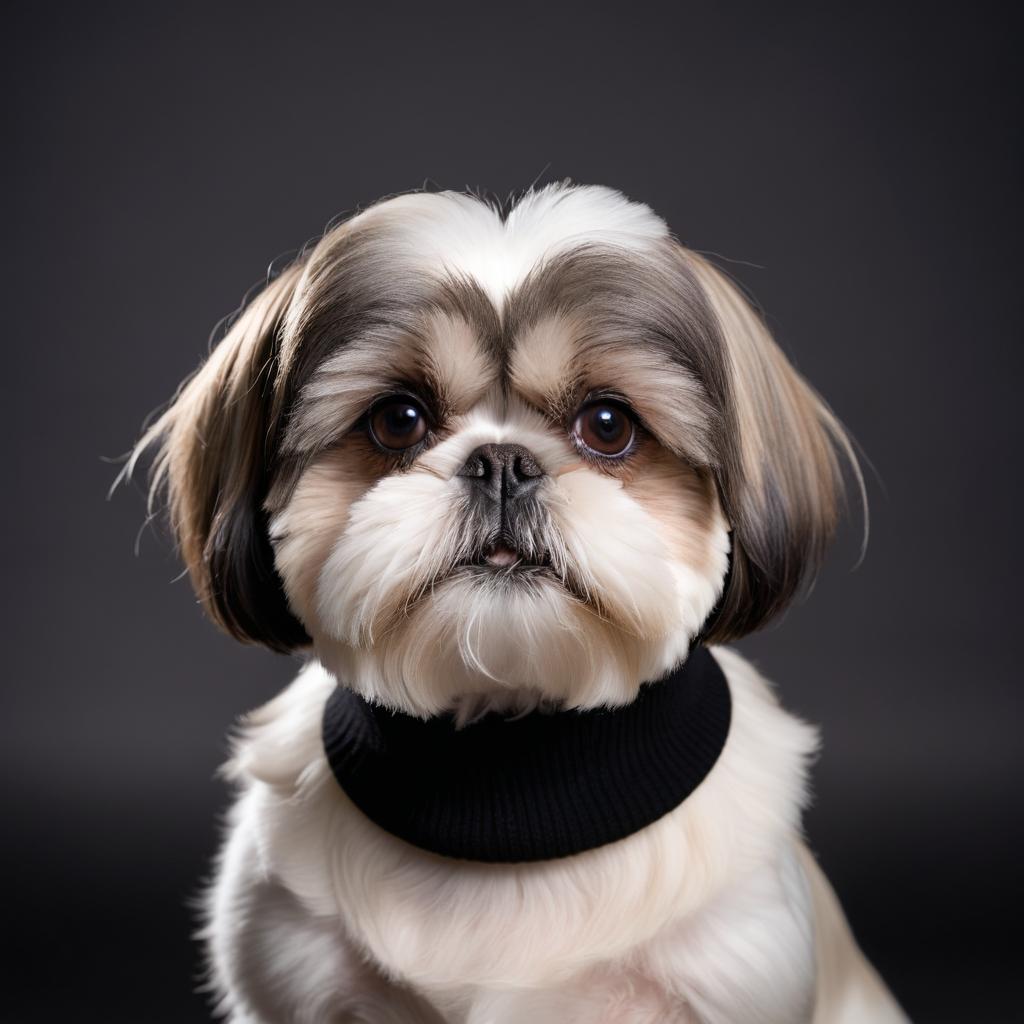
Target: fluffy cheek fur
(369, 565)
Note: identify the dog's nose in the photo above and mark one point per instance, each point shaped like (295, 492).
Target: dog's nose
(502, 471)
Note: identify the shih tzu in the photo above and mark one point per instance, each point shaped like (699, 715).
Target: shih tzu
(507, 478)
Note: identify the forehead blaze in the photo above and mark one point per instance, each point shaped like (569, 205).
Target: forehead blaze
(459, 236)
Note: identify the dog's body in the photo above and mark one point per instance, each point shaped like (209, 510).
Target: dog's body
(479, 462)
(716, 913)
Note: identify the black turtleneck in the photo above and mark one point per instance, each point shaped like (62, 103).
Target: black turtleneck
(541, 785)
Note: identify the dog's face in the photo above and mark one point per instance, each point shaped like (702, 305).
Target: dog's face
(485, 460)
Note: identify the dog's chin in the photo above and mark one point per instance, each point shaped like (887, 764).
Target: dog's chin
(505, 633)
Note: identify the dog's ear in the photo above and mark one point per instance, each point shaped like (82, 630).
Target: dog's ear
(212, 454)
(780, 476)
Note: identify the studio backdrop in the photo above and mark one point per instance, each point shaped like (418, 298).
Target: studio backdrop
(856, 171)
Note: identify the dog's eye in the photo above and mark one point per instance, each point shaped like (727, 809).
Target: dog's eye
(397, 423)
(604, 428)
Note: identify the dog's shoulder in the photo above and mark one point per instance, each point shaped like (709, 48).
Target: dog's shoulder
(280, 741)
(768, 752)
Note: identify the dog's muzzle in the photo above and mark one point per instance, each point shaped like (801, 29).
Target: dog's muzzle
(503, 481)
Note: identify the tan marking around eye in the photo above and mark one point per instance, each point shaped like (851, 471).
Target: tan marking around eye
(555, 362)
(685, 504)
(343, 388)
(315, 517)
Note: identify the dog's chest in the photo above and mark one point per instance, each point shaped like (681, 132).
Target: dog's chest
(605, 994)
(457, 926)
(639, 919)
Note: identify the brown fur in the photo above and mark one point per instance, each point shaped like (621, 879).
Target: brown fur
(214, 461)
(782, 483)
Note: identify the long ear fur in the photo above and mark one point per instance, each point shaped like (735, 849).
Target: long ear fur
(781, 480)
(212, 459)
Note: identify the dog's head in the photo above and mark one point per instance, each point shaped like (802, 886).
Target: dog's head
(472, 456)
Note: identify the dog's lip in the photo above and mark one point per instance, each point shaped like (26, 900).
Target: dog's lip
(501, 556)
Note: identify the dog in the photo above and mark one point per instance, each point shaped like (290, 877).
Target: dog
(508, 477)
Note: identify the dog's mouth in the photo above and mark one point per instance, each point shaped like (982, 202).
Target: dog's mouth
(501, 562)
(503, 556)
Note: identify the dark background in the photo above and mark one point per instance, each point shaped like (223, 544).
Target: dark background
(861, 168)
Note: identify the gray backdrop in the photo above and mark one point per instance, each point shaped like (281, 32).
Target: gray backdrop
(860, 172)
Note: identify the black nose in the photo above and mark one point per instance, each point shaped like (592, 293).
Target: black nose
(502, 471)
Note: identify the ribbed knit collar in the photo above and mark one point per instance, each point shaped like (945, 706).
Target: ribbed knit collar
(542, 785)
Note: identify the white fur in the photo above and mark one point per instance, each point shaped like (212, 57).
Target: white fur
(457, 234)
(706, 915)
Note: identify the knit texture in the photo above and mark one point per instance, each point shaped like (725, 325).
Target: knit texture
(543, 785)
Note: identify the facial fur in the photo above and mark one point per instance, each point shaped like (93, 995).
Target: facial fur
(438, 576)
